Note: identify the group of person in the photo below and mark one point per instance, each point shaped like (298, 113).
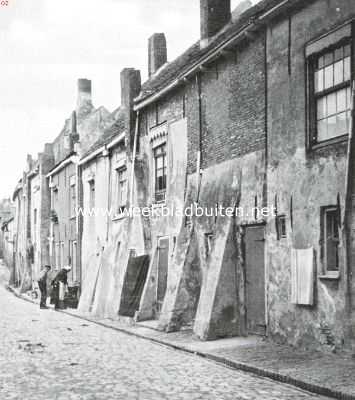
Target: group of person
(59, 287)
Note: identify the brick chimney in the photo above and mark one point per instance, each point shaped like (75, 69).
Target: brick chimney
(130, 88)
(84, 101)
(214, 14)
(157, 52)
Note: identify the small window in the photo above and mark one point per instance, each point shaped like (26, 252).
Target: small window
(330, 93)
(281, 227)
(132, 253)
(208, 243)
(92, 194)
(121, 189)
(35, 224)
(57, 255)
(188, 221)
(72, 198)
(160, 168)
(330, 238)
(74, 260)
(62, 255)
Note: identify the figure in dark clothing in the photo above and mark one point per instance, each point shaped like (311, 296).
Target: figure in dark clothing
(60, 285)
(42, 284)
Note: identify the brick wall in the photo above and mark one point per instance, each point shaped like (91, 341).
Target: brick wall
(233, 107)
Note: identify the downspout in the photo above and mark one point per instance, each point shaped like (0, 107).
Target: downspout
(108, 164)
(349, 187)
(199, 152)
(51, 224)
(79, 221)
(134, 159)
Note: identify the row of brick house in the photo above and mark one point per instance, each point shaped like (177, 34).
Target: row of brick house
(257, 113)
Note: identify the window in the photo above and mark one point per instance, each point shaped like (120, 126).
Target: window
(330, 238)
(73, 259)
(121, 189)
(35, 222)
(57, 256)
(281, 227)
(160, 168)
(61, 264)
(72, 199)
(92, 194)
(331, 93)
(208, 243)
(132, 253)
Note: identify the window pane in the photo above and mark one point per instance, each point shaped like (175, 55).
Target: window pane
(328, 58)
(338, 72)
(331, 104)
(348, 98)
(341, 100)
(338, 54)
(328, 77)
(321, 108)
(322, 127)
(347, 69)
(332, 127)
(347, 50)
(159, 162)
(321, 62)
(342, 124)
(319, 80)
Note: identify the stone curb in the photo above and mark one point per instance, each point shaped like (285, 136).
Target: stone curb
(310, 387)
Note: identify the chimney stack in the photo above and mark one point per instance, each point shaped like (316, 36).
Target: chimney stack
(157, 52)
(214, 14)
(130, 89)
(84, 94)
(130, 86)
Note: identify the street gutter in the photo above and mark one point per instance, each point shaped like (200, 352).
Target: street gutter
(238, 366)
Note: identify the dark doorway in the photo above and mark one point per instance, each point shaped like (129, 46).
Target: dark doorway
(133, 285)
(254, 240)
(162, 279)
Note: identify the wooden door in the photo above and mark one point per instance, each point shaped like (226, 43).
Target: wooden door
(255, 279)
(162, 280)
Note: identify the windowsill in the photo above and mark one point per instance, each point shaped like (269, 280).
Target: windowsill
(119, 217)
(159, 204)
(336, 140)
(330, 276)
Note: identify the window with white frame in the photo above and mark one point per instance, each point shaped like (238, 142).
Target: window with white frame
(330, 238)
(121, 185)
(57, 255)
(160, 171)
(330, 92)
(62, 263)
(72, 199)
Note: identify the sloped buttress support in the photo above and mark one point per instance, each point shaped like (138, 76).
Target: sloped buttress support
(219, 310)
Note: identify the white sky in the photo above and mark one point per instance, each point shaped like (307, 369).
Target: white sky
(46, 45)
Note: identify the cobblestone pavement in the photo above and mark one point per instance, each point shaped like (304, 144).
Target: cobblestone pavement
(47, 355)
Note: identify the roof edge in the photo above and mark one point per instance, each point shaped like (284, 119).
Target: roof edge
(254, 24)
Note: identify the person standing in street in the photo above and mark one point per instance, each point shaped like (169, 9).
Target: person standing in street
(42, 284)
(60, 287)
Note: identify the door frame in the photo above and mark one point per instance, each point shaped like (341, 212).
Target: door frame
(243, 231)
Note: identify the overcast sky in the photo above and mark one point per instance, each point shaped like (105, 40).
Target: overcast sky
(46, 45)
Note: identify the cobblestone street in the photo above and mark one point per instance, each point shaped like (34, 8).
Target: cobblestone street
(48, 355)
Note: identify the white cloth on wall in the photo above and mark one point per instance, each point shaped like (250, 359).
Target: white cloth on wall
(302, 276)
